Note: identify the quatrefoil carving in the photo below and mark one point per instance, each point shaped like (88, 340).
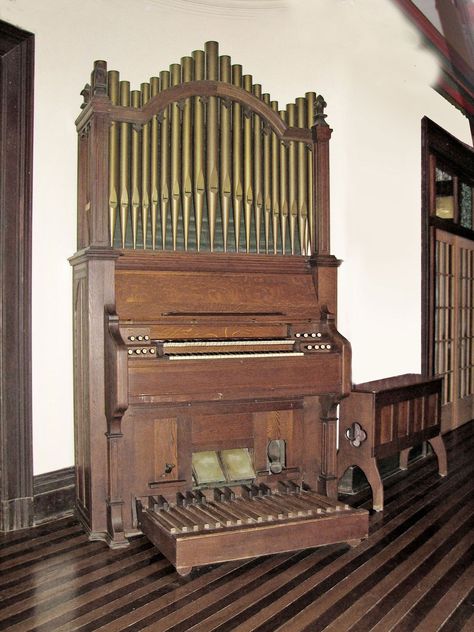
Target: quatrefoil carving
(356, 435)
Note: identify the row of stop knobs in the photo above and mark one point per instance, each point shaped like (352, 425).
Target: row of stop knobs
(145, 350)
(313, 334)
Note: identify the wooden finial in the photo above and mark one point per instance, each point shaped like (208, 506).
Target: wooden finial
(99, 79)
(86, 95)
(319, 118)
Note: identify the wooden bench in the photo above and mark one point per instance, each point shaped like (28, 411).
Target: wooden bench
(389, 416)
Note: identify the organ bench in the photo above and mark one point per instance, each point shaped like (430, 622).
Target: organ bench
(389, 416)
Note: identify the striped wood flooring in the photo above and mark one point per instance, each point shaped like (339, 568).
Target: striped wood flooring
(413, 574)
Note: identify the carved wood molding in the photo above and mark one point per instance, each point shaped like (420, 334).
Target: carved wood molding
(143, 115)
(16, 158)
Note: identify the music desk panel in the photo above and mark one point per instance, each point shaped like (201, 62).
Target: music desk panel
(232, 378)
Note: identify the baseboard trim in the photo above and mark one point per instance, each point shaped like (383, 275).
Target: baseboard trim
(16, 514)
(54, 495)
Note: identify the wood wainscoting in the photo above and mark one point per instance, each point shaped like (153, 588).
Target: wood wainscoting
(54, 495)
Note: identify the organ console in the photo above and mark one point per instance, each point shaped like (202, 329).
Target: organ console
(208, 364)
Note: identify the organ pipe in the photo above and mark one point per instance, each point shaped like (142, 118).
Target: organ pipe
(212, 158)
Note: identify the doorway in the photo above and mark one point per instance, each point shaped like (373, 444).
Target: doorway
(453, 341)
(448, 271)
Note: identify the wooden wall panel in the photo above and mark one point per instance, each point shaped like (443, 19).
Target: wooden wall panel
(166, 449)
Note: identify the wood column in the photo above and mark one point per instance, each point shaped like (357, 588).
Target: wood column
(16, 159)
(321, 133)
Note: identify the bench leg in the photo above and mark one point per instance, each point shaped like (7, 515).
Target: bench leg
(437, 444)
(373, 476)
(403, 461)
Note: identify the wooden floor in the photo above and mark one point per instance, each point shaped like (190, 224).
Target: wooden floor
(414, 573)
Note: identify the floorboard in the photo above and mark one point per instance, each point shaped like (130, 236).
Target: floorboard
(413, 574)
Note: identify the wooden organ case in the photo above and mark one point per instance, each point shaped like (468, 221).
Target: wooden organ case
(208, 366)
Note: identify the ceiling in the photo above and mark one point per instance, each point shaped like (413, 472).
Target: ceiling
(443, 15)
(447, 27)
(428, 8)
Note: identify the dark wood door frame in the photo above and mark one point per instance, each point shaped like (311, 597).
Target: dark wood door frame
(437, 145)
(16, 161)
(435, 141)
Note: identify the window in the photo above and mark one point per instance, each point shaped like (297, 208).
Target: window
(451, 187)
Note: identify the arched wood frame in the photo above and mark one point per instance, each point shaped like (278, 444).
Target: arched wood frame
(159, 102)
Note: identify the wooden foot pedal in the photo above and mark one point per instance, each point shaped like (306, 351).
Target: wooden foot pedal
(227, 528)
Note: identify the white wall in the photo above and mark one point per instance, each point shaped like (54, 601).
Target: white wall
(375, 76)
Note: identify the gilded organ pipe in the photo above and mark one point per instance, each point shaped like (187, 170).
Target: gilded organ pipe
(175, 71)
(113, 88)
(135, 169)
(154, 175)
(212, 147)
(292, 179)
(124, 163)
(145, 174)
(267, 169)
(248, 162)
(283, 188)
(275, 183)
(311, 100)
(257, 168)
(301, 113)
(199, 190)
(164, 160)
(212, 144)
(237, 156)
(186, 143)
(225, 152)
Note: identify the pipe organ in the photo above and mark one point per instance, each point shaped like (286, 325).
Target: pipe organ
(208, 365)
